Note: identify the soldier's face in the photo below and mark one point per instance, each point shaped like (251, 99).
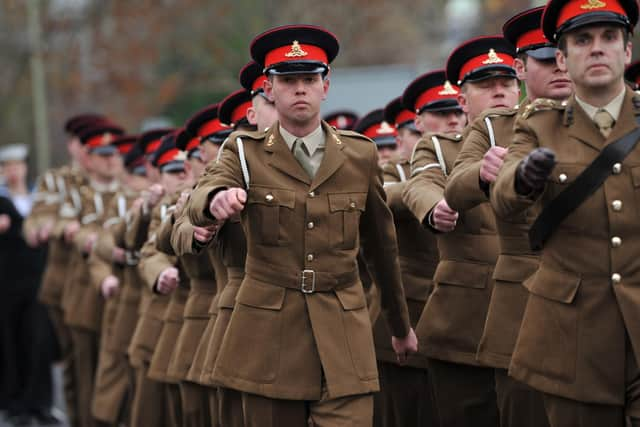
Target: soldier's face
(441, 121)
(197, 166)
(106, 167)
(596, 57)
(176, 180)
(385, 153)
(136, 182)
(495, 92)
(297, 97)
(262, 113)
(543, 79)
(407, 139)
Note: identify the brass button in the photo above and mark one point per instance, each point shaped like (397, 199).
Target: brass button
(312, 194)
(617, 205)
(616, 278)
(562, 177)
(269, 197)
(310, 225)
(617, 168)
(616, 242)
(310, 257)
(352, 205)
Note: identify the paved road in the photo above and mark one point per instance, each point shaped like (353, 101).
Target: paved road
(58, 400)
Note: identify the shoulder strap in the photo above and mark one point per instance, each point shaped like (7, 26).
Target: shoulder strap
(579, 190)
(439, 155)
(403, 176)
(492, 135)
(243, 162)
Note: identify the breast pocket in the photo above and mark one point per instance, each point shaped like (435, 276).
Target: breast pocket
(345, 210)
(270, 209)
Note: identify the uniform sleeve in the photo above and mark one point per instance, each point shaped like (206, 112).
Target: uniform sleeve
(182, 235)
(226, 174)
(137, 230)
(152, 261)
(393, 187)
(45, 207)
(425, 188)
(504, 199)
(163, 236)
(380, 248)
(463, 190)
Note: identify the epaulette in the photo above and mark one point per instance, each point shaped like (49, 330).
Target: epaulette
(352, 134)
(543, 104)
(455, 137)
(498, 112)
(251, 134)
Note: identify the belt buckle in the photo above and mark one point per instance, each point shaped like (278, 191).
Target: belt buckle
(132, 258)
(305, 287)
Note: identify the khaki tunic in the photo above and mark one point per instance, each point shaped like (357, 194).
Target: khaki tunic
(152, 305)
(418, 256)
(293, 223)
(573, 340)
(452, 321)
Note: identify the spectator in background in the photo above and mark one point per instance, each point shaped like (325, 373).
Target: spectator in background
(27, 346)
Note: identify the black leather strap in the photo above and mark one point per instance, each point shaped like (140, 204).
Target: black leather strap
(579, 190)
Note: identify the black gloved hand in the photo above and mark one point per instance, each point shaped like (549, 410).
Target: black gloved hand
(533, 171)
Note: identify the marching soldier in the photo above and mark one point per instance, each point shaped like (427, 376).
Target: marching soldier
(451, 324)
(82, 304)
(576, 162)
(107, 264)
(148, 395)
(262, 112)
(474, 170)
(301, 306)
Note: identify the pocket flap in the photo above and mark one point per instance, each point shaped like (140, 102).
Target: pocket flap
(347, 201)
(467, 274)
(555, 285)
(272, 196)
(511, 268)
(227, 297)
(260, 295)
(351, 297)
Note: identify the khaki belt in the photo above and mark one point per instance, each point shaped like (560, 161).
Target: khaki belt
(306, 281)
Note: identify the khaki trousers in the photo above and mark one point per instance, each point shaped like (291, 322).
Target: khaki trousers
(195, 405)
(519, 404)
(68, 370)
(85, 357)
(349, 411)
(148, 407)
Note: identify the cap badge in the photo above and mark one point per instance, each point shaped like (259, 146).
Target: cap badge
(181, 156)
(106, 139)
(384, 129)
(493, 58)
(270, 140)
(593, 4)
(296, 51)
(448, 89)
(341, 121)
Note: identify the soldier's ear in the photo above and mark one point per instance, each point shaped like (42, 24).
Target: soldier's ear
(267, 86)
(521, 69)
(561, 60)
(326, 82)
(462, 100)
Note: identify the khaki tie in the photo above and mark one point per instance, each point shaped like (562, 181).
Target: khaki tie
(302, 155)
(604, 121)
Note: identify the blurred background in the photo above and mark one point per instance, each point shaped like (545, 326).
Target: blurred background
(145, 60)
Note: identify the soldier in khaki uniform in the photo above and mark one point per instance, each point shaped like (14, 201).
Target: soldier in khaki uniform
(148, 395)
(45, 226)
(476, 168)
(82, 303)
(451, 325)
(578, 342)
(108, 260)
(301, 306)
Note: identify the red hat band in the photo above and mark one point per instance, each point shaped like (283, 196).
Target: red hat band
(171, 155)
(531, 38)
(152, 146)
(488, 59)
(100, 140)
(405, 116)
(240, 112)
(211, 127)
(438, 93)
(295, 52)
(258, 83)
(193, 144)
(575, 8)
(380, 129)
(125, 148)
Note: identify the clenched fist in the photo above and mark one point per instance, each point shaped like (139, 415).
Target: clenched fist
(491, 164)
(534, 170)
(442, 217)
(403, 347)
(168, 281)
(109, 286)
(226, 203)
